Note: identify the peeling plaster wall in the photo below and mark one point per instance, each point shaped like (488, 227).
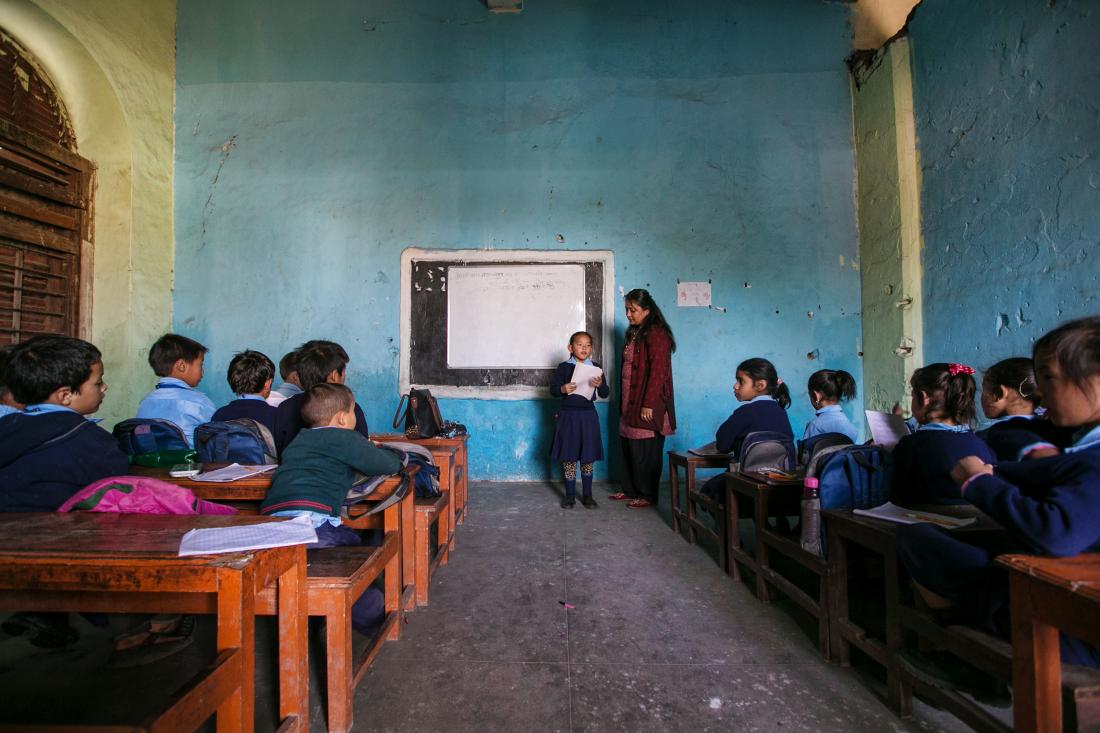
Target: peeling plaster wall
(313, 147)
(889, 227)
(113, 63)
(1008, 117)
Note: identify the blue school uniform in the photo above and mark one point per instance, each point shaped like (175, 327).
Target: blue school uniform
(923, 462)
(288, 421)
(177, 402)
(253, 407)
(830, 419)
(1047, 506)
(759, 413)
(48, 453)
(1012, 438)
(576, 426)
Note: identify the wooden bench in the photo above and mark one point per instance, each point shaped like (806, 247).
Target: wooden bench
(1047, 595)
(775, 499)
(428, 512)
(689, 463)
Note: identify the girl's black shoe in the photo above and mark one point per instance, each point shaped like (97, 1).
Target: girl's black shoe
(589, 502)
(568, 502)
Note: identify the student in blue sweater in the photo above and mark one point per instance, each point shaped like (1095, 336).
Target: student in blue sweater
(51, 450)
(317, 471)
(178, 362)
(1010, 399)
(766, 399)
(827, 388)
(1047, 506)
(250, 376)
(576, 426)
(943, 405)
(317, 362)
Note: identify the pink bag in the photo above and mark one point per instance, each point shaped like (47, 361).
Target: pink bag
(140, 495)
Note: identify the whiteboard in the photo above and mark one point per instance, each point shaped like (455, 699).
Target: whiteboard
(513, 316)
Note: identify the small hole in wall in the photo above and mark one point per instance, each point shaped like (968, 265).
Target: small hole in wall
(859, 354)
(811, 355)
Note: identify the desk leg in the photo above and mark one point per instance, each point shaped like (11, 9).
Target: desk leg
(293, 643)
(237, 630)
(395, 577)
(689, 482)
(402, 518)
(452, 508)
(1036, 665)
(733, 535)
(760, 513)
(899, 694)
(674, 491)
(838, 597)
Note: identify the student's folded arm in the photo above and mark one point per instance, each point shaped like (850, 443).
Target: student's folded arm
(370, 460)
(1061, 523)
(727, 434)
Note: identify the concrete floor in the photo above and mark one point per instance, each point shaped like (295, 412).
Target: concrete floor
(658, 639)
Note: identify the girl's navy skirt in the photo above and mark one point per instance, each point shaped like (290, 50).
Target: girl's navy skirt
(577, 436)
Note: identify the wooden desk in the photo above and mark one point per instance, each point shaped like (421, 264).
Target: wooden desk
(247, 494)
(461, 466)
(690, 463)
(1047, 595)
(127, 563)
(846, 529)
(774, 500)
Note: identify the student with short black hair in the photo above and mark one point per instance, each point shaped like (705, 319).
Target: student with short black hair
(317, 362)
(288, 372)
(943, 405)
(827, 388)
(178, 362)
(317, 471)
(51, 450)
(249, 375)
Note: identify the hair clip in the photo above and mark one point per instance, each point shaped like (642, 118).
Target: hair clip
(778, 381)
(957, 369)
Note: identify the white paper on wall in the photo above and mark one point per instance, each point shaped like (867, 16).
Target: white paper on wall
(693, 294)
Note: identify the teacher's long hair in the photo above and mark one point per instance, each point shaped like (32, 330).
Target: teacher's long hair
(655, 317)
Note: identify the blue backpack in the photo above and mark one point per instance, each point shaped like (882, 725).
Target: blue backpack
(235, 441)
(149, 435)
(811, 446)
(851, 477)
(766, 449)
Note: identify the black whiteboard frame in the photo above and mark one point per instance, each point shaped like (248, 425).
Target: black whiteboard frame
(424, 321)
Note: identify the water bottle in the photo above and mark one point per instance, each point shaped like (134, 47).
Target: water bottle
(811, 516)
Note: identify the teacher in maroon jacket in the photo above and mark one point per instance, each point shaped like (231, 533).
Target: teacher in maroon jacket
(647, 412)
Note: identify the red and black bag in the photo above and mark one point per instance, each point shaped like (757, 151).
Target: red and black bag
(422, 419)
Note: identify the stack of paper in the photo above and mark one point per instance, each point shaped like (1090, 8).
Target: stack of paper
(232, 472)
(582, 374)
(214, 540)
(894, 513)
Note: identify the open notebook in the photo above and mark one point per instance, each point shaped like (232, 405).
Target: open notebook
(215, 540)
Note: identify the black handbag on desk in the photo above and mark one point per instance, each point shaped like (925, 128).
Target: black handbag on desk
(422, 419)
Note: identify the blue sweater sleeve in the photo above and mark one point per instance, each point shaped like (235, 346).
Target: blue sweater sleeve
(731, 432)
(1062, 522)
(560, 378)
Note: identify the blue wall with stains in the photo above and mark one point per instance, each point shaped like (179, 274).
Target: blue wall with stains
(1007, 96)
(702, 140)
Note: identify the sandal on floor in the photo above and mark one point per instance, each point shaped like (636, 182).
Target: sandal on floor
(639, 504)
(618, 497)
(157, 639)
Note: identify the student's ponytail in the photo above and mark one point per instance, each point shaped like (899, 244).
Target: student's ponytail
(782, 395)
(764, 370)
(835, 385)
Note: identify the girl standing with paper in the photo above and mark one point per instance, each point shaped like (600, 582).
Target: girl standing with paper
(578, 380)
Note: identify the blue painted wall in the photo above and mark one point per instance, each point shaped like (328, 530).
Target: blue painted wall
(699, 140)
(1007, 97)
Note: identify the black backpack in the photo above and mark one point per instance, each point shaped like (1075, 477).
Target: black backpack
(811, 446)
(422, 419)
(241, 440)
